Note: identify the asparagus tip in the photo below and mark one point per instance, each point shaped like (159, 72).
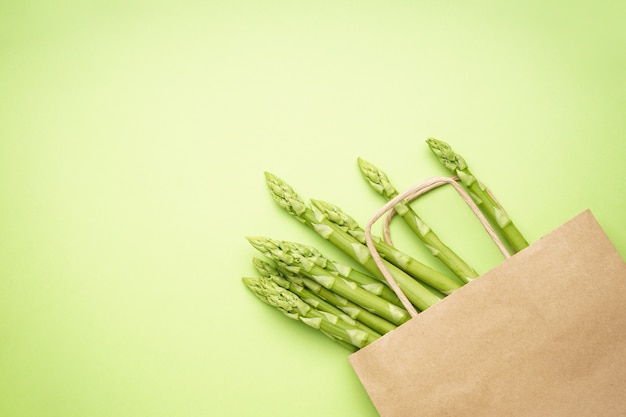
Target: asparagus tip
(450, 159)
(257, 242)
(377, 179)
(248, 281)
(286, 197)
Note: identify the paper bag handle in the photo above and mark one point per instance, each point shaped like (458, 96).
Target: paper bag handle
(409, 195)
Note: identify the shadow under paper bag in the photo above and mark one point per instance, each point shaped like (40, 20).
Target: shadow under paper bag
(541, 334)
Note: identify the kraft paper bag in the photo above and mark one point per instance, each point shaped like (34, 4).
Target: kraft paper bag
(543, 334)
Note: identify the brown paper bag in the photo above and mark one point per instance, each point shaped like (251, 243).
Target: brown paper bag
(541, 334)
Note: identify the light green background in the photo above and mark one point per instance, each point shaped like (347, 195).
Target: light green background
(133, 140)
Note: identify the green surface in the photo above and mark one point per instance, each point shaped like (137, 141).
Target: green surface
(133, 140)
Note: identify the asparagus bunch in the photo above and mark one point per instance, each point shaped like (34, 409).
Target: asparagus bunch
(284, 195)
(312, 255)
(319, 297)
(351, 307)
(380, 182)
(297, 258)
(293, 307)
(483, 199)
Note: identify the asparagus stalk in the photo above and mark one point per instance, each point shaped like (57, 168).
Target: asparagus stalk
(489, 206)
(353, 310)
(293, 307)
(412, 266)
(293, 256)
(268, 271)
(380, 182)
(285, 196)
(367, 282)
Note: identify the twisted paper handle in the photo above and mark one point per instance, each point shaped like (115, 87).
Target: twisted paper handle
(409, 195)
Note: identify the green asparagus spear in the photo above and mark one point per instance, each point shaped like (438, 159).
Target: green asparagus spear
(285, 196)
(380, 182)
(490, 207)
(353, 310)
(407, 263)
(292, 256)
(367, 282)
(293, 307)
(268, 271)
